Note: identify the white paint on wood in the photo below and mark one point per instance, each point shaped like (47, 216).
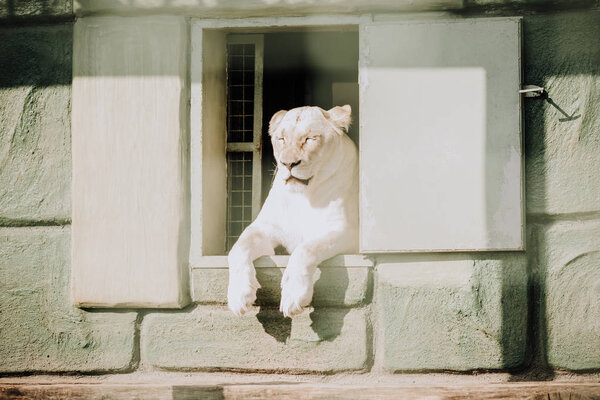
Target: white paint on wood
(130, 184)
(440, 146)
(209, 141)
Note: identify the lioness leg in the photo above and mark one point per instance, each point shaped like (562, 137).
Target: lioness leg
(297, 281)
(252, 244)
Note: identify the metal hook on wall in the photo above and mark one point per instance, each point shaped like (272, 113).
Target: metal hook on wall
(533, 91)
(541, 93)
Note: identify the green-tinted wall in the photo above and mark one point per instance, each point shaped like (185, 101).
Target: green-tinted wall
(551, 309)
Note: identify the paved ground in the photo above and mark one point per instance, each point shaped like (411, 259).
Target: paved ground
(533, 391)
(185, 386)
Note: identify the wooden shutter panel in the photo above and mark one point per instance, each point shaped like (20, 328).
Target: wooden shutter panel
(440, 140)
(130, 179)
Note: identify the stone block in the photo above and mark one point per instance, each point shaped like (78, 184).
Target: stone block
(342, 281)
(319, 340)
(562, 146)
(39, 9)
(569, 263)
(35, 128)
(446, 312)
(39, 329)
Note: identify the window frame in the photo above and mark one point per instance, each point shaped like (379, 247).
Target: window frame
(208, 178)
(200, 27)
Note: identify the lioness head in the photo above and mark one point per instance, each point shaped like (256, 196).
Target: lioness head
(305, 141)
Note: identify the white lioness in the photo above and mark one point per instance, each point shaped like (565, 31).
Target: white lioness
(311, 210)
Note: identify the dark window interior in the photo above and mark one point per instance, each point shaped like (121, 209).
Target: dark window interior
(300, 69)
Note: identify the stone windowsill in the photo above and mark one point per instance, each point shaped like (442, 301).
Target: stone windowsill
(341, 281)
(344, 260)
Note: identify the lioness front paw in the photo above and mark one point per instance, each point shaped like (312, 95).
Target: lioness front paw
(241, 292)
(296, 293)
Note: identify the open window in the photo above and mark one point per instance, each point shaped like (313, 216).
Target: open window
(440, 147)
(248, 76)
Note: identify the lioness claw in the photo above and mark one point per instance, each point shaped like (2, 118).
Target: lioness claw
(241, 293)
(296, 294)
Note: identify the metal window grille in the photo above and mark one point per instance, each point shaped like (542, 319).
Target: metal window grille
(244, 123)
(240, 93)
(239, 194)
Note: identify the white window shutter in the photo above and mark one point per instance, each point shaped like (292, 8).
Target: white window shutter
(440, 136)
(130, 182)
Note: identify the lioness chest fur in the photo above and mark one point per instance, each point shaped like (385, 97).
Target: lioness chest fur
(311, 210)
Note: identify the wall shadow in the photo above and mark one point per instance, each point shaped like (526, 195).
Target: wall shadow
(330, 291)
(515, 312)
(35, 11)
(267, 298)
(326, 312)
(193, 392)
(38, 56)
(556, 47)
(299, 70)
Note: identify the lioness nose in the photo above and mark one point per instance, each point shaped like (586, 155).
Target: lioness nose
(291, 165)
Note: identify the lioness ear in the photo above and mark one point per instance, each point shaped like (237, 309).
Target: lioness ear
(341, 117)
(276, 120)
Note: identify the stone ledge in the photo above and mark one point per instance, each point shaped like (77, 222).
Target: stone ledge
(343, 280)
(343, 260)
(458, 314)
(209, 338)
(253, 8)
(250, 8)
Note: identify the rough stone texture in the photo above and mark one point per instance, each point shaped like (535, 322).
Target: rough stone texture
(35, 130)
(21, 9)
(569, 260)
(39, 329)
(324, 340)
(562, 153)
(334, 286)
(453, 314)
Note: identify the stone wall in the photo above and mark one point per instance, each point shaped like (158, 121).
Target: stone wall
(535, 310)
(39, 328)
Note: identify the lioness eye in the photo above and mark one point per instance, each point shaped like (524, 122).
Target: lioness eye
(281, 140)
(309, 138)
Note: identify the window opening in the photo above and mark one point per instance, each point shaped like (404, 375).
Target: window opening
(286, 69)
(307, 67)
